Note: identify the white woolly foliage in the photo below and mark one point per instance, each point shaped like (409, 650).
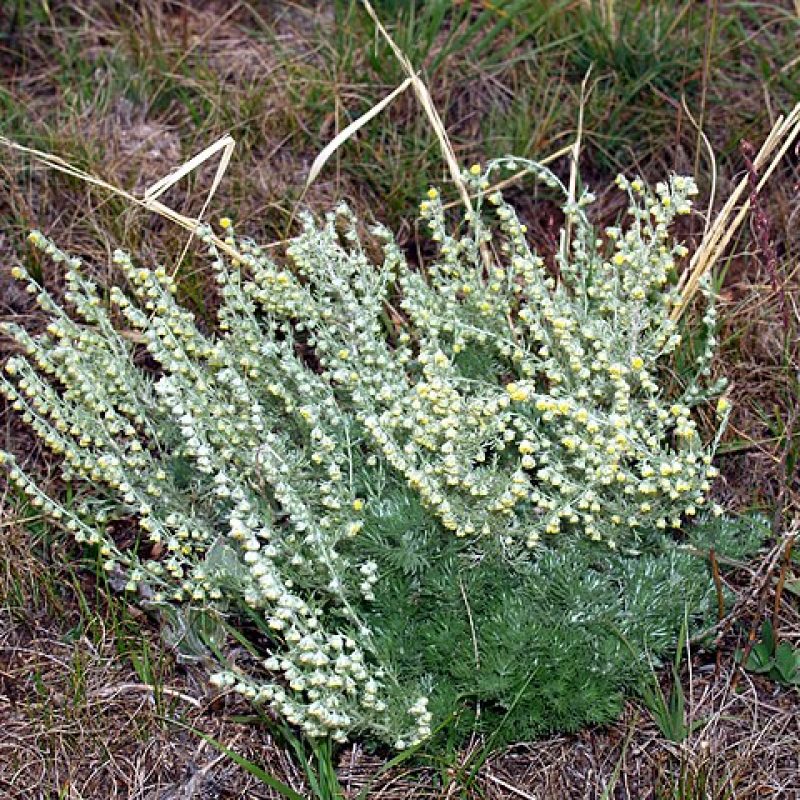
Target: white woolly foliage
(517, 401)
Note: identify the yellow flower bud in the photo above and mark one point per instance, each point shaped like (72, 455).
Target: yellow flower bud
(517, 392)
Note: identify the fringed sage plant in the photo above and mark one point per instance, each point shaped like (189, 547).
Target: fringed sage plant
(409, 488)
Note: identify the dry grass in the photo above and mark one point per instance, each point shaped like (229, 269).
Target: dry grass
(128, 91)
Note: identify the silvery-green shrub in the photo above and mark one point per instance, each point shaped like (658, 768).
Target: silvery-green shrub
(409, 487)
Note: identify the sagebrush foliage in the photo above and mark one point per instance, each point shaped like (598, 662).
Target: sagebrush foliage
(421, 487)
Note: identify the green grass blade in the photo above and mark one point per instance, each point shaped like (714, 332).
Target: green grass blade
(257, 772)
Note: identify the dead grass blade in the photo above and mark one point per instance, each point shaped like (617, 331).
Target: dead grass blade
(720, 233)
(353, 127)
(574, 173)
(712, 160)
(225, 144)
(439, 129)
(421, 90)
(149, 202)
